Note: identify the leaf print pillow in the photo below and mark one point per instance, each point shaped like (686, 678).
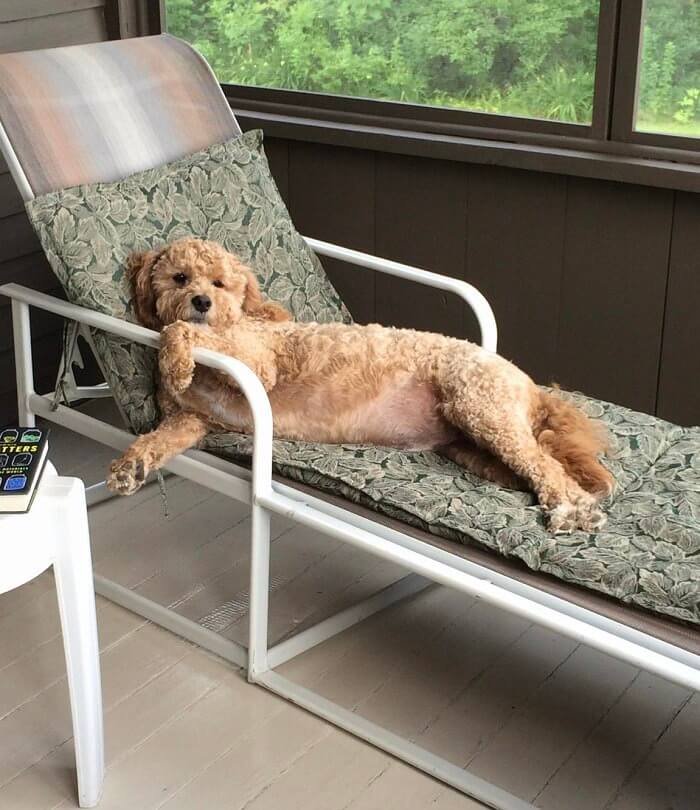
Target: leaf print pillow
(225, 193)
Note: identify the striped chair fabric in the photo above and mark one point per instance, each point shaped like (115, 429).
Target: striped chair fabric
(100, 112)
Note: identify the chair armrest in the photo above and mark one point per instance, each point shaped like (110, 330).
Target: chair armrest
(476, 300)
(246, 380)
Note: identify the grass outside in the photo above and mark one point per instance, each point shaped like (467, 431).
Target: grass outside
(667, 126)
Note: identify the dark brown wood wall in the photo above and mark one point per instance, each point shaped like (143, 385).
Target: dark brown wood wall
(595, 285)
(25, 25)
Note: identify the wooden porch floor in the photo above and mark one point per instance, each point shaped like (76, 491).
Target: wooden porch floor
(556, 723)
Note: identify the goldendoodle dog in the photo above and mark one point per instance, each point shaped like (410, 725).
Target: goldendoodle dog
(340, 383)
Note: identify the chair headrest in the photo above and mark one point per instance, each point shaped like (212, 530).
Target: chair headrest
(102, 111)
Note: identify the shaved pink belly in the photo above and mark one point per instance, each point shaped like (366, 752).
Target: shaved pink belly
(404, 414)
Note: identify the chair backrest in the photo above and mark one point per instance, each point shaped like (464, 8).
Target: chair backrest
(102, 111)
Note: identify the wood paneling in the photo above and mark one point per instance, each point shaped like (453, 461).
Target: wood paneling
(10, 198)
(15, 10)
(331, 197)
(17, 237)
(71, 28)
(421, 219)
(515, 257)
(612, 303)
(277, 152)
(43, 323)
(31, 270)
(46, 356)
(679, 380)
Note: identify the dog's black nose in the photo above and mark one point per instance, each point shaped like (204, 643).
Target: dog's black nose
(202, 303)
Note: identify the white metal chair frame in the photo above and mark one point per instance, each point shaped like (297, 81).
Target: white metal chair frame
(427, 563)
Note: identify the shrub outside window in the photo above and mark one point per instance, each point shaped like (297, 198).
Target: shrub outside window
(528, 58)
(556, 72)
(668, 99)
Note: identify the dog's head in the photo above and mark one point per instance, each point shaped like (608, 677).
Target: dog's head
(197, 281)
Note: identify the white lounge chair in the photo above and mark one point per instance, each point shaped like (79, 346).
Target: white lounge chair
(123, 101)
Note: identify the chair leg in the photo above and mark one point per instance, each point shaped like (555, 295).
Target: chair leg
(76, 600)
(259, 591)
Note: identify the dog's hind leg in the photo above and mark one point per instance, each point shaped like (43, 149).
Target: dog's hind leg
(507, 433)
(175, 434)
(568, 505)
(482, 463)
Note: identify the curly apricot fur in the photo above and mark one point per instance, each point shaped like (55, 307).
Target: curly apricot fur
(339, 383)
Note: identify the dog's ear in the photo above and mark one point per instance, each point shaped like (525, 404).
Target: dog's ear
(139, 268)
(255, 305)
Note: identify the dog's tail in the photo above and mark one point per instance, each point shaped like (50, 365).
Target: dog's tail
(567, 434)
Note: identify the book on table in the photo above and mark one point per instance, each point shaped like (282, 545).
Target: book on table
(23, 452)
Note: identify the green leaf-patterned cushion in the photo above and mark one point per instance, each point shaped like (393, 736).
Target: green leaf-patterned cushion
(648, 554)
(225, 193)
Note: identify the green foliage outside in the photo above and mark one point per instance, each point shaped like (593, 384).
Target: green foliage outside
(669, 84)
(533, 58)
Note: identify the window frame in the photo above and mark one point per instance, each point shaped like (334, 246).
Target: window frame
(628, 73)
(611, 130)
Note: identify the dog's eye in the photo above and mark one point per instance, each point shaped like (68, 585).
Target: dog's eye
(218, 283)
(179, 278)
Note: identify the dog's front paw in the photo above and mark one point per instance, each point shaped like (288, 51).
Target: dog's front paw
(176, 374)
(126, 476)
(175, 360)
(177, 333)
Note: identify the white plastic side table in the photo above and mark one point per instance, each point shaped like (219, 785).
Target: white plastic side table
(55, 532)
